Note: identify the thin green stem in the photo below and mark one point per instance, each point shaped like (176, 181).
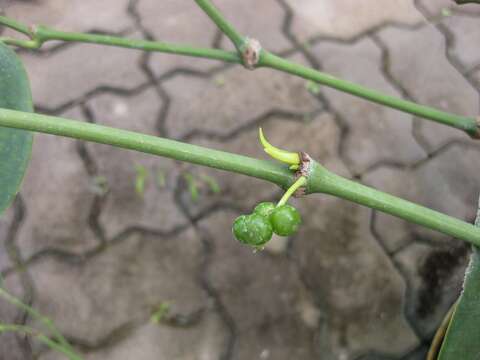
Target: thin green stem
(319, 179)
(323, 181)
(301, 181)
(217, 17)
(44, 33)
(467, 124)
(36, 315)
(41, 34)
(40, 337)
(267, 59)
(26, 44)
(267, 170)
(15, 25)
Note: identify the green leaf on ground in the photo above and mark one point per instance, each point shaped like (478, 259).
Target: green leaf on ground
(15, 145)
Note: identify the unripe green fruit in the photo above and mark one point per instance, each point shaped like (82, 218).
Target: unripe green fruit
(264, 209)
(254, 229)
(285, 220)
(240, 229)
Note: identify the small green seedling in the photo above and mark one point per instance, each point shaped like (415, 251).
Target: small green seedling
(212, 183)
(192, 186)
(160, 313)
(161, 180)
(140, 179)
(312, 87)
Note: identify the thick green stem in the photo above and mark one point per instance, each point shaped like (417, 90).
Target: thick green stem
(319, 180)
(467, 124)
(323, 181)
(274, 172)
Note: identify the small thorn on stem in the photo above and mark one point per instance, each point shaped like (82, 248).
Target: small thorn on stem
(251, 53)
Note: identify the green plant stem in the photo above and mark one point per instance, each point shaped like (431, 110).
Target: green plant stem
(40, 337)
(467, 124)
(15, 25)
(267, 170)
(301, 181)
(36, 315)
(323, 181)
(41, 34)
(44, 33)
(217, 17)
(320, 180)
(267, 59)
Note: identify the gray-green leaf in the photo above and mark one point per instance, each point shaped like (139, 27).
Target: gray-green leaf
(15, 145)
(462, 340)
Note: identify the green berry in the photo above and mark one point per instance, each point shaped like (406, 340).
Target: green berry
(240, 229)
(285, 220)
(252, 229)
(264, 208)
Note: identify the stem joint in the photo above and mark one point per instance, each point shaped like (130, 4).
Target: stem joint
(303, 171)
(250, 52)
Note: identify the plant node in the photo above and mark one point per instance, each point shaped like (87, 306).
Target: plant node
(32, 30)
(477, 133)
(250, 52)
(303, 170)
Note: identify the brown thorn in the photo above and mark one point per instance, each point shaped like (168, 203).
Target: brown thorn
(304, 170)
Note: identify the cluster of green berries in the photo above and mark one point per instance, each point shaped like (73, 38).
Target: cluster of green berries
(257, 228)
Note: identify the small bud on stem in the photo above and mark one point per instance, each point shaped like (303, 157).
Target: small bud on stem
(251, 53)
